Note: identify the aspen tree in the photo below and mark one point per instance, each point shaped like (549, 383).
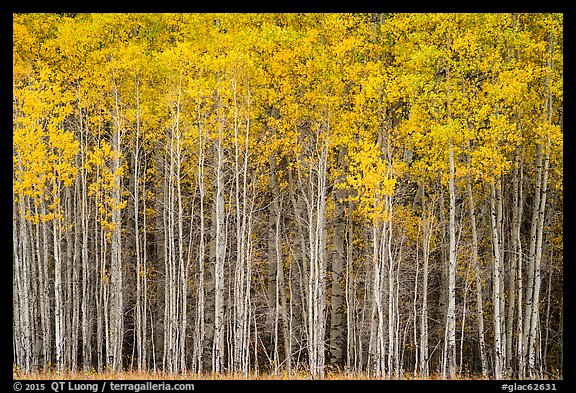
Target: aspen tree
(284, 193)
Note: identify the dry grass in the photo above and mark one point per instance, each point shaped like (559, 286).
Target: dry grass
(146, 376)
(149, 376)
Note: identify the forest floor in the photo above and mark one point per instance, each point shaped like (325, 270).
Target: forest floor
(150, 375)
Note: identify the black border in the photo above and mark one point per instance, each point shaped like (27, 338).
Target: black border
(460, 386)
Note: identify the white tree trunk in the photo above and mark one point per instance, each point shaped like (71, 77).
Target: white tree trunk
(478, 282)
(450, 334)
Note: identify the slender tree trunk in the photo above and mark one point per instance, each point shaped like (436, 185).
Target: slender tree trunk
(116, 279)
(350, 307)
(140, 310)
(450, 335)
(511, 307)
(377, 346)
(100, 275)
(463, 324)
(277, 266)
(414, 315)
(500, 228)
(391, 289)
(76, 270)
(496, 284)
(20, 238)
(45, 297)
(539, 215)
(181, 317)
(58, 301)
(535, 314)
(272, 288)
(200, 323)
(427, 225)
(478, 282)
(219, 248)
(316, 218)
(336, 311)
(16, 289)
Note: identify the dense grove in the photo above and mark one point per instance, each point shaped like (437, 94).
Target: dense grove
(375, 194)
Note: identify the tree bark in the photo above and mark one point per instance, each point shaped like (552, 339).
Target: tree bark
(450, 335)
(478, 282)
